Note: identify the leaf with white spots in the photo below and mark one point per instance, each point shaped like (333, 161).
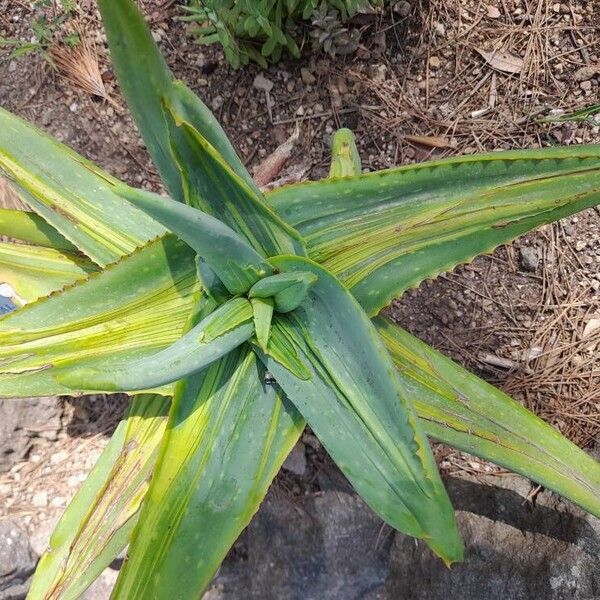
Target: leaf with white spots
(128, 311)
(72, 194)
(353, 402)
(229, 432)
(383, 233)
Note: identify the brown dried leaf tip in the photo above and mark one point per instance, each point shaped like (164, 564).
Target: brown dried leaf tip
(79, 64)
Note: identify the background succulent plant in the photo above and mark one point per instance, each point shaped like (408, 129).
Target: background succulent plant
(261, 31)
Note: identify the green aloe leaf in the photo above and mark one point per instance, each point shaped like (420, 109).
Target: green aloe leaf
(35, 271)
(130, 310)
(196, 161)
(98, 522)
(216, 335)
(458, 408)
(345, 159)
(31, 228)
(288, 290)
(146, 81)
(227, 436)
(354, 404)
(212, 186)
(232, 259)
(72, 194)
(263, 315)
(385, 232)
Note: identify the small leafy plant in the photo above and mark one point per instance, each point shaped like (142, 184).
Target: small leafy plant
(48, 29)
(234, 318)
(261, 30)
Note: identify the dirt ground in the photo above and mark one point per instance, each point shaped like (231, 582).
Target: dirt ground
(423, 84)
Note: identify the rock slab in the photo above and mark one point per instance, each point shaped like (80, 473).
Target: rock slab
(17, 561)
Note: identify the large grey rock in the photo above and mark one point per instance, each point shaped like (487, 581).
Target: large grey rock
(17, 561)
(514, 550)
(330, 546)
(23, 421)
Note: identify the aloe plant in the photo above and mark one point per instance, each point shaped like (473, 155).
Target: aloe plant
(234, 318)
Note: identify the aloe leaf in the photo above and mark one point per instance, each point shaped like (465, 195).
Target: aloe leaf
(288, 290)
(231, 258)
(345, 159)
(211, 185)
(458, 408)
(98, 522)
(35, 271)
(220, 332)
(146, 81)
(227, 436)
(132, 309)
(184, 138)
(385, 232)
(263, 315)
(70, 193)
(354, 404)
(30, 228)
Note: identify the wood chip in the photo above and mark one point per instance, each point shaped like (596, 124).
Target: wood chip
(429, 140)
(502, 61)
(270, 168)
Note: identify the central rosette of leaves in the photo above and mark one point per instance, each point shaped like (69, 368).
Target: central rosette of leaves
(309, 332)
(281, 293)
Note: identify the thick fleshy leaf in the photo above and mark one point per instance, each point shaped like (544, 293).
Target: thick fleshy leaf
(98, 522)
(195, 158)
(288, 290)
(71, 193)
(31, 228)
(146, 81)
(211, 185)
(354, 404)
(35, 271)
(385, 232)
(229, 432)
(345, 159)
(237, 265)
(458, 408)
(221, 331)
(130, 310)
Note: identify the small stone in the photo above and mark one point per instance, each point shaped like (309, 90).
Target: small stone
(440, 29)
(40, 537)
(402, 8)
(74, 107)
(217, 102)
(59, 457)
(262, 83)
(434, 62)
(157, 36)
(12, 66)
(296, 461)
(493, 12)
(528, 258)
(300, 111)
(580, 245)
(586, 86)
(40, 499)
(307, 77)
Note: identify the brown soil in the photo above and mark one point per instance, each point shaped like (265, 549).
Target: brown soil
(419, 87)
